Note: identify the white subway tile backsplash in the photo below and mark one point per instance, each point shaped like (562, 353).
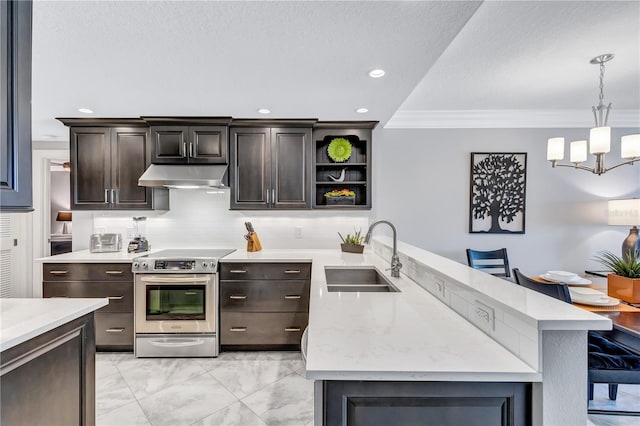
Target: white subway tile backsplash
(508, 337)
(198, 219)
(519, 335)
(529, 352)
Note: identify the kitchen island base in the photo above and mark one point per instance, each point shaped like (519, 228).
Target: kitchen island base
(50, 379)
(356, 403)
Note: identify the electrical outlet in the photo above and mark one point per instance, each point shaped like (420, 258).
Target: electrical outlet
(297, 232)
(483, 316)
(101, 229)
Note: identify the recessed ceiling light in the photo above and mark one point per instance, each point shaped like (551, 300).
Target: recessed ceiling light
(376, 73)
(264, 111)
(362, 110)
(85, 110)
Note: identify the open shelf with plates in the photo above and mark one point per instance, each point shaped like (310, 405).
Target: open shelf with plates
(352, 174)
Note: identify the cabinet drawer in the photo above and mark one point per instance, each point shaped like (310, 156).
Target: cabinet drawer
(120, 294)
(265, 271)
(265, 296)
(114, 330)
(87, 271)
(262, 328)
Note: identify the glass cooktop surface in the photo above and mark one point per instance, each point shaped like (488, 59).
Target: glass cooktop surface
(185, 254)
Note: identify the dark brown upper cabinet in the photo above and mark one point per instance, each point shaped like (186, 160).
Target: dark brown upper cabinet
(106, 163)
(195, 140)
(353, 174)
(270, 167)
(15, 106)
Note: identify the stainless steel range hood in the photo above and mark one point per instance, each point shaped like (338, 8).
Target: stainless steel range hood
(183, 176)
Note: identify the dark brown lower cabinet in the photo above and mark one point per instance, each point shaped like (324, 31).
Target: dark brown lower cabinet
(50, 379)
(263, 305)
(114, 322)
(365, 403)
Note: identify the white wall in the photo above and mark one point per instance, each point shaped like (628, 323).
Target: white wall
(200, 219)
(422, 184)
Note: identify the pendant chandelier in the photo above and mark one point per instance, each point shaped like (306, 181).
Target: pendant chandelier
(599, 137)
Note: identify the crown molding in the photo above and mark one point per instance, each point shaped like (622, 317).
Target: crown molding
(496, 119)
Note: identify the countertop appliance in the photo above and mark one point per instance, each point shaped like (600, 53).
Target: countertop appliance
(175, 303)
(105, 243)
(139, 242)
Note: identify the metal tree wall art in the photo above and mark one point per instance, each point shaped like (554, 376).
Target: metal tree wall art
(498, 188)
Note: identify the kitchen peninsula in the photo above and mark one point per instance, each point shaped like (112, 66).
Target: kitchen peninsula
(451, 336)
(48, 361)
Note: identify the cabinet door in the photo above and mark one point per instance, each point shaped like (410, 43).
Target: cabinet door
(169, 144)
(291, 168)
(250, 168)
(208, 144)
(15, 106)
(130, 157)
(90, 168)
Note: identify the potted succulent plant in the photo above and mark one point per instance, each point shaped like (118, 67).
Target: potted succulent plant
(340, 197)
(624, 280)
(352, 243)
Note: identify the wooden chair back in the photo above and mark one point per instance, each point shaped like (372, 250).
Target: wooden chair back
(494, 262)
(557, 290)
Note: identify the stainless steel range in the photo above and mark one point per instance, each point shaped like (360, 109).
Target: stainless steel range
(175, 303)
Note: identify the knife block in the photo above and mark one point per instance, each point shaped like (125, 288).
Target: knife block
(254, 243)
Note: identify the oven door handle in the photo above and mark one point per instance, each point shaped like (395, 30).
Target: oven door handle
(177, 344)
(175, 280)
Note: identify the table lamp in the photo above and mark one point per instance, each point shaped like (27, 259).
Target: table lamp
(64, 216)
(626, 213)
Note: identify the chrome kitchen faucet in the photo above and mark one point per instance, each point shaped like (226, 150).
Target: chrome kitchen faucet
(395, 260)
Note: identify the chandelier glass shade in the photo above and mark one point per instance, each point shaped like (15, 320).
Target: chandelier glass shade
(599, 138)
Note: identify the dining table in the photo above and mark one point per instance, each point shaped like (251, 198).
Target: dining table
(624, 316)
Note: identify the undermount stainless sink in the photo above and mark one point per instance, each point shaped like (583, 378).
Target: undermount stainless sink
(365, 279)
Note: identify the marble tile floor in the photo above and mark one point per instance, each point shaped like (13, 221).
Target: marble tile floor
(240, 389)
(234, 389)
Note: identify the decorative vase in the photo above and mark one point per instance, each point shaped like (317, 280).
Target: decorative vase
(351, 248)
(340, 201)
(623, 288)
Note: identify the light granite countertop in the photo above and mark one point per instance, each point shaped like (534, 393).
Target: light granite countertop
(409, 335)
(24, 319)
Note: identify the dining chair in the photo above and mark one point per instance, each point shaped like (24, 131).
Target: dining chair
(494, 262)
(609, 362)
(557, 290)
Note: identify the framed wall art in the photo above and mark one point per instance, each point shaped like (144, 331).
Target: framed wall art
(498, 189)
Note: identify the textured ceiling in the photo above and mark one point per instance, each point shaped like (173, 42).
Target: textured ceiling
(299, 59)
(526, 64)
(448, 63)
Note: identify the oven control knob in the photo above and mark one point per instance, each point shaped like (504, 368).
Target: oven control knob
(135, 265)
(205, 264)
(144, 265)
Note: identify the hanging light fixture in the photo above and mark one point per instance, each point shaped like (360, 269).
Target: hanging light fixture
(599, 137)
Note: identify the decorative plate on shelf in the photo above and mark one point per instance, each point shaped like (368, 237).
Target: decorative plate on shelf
(339, 150)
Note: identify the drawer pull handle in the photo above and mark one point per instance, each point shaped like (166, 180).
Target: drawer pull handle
(293, 296)
(237, 297)
(292, 329)
(190, 293)
(115, 330)
(115, 297)
(113, 272)
(238, 271)
(58, 272)
(238, 329)
(59, 297)
(292, 271)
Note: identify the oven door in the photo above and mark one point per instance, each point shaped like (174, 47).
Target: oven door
(175, 303)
